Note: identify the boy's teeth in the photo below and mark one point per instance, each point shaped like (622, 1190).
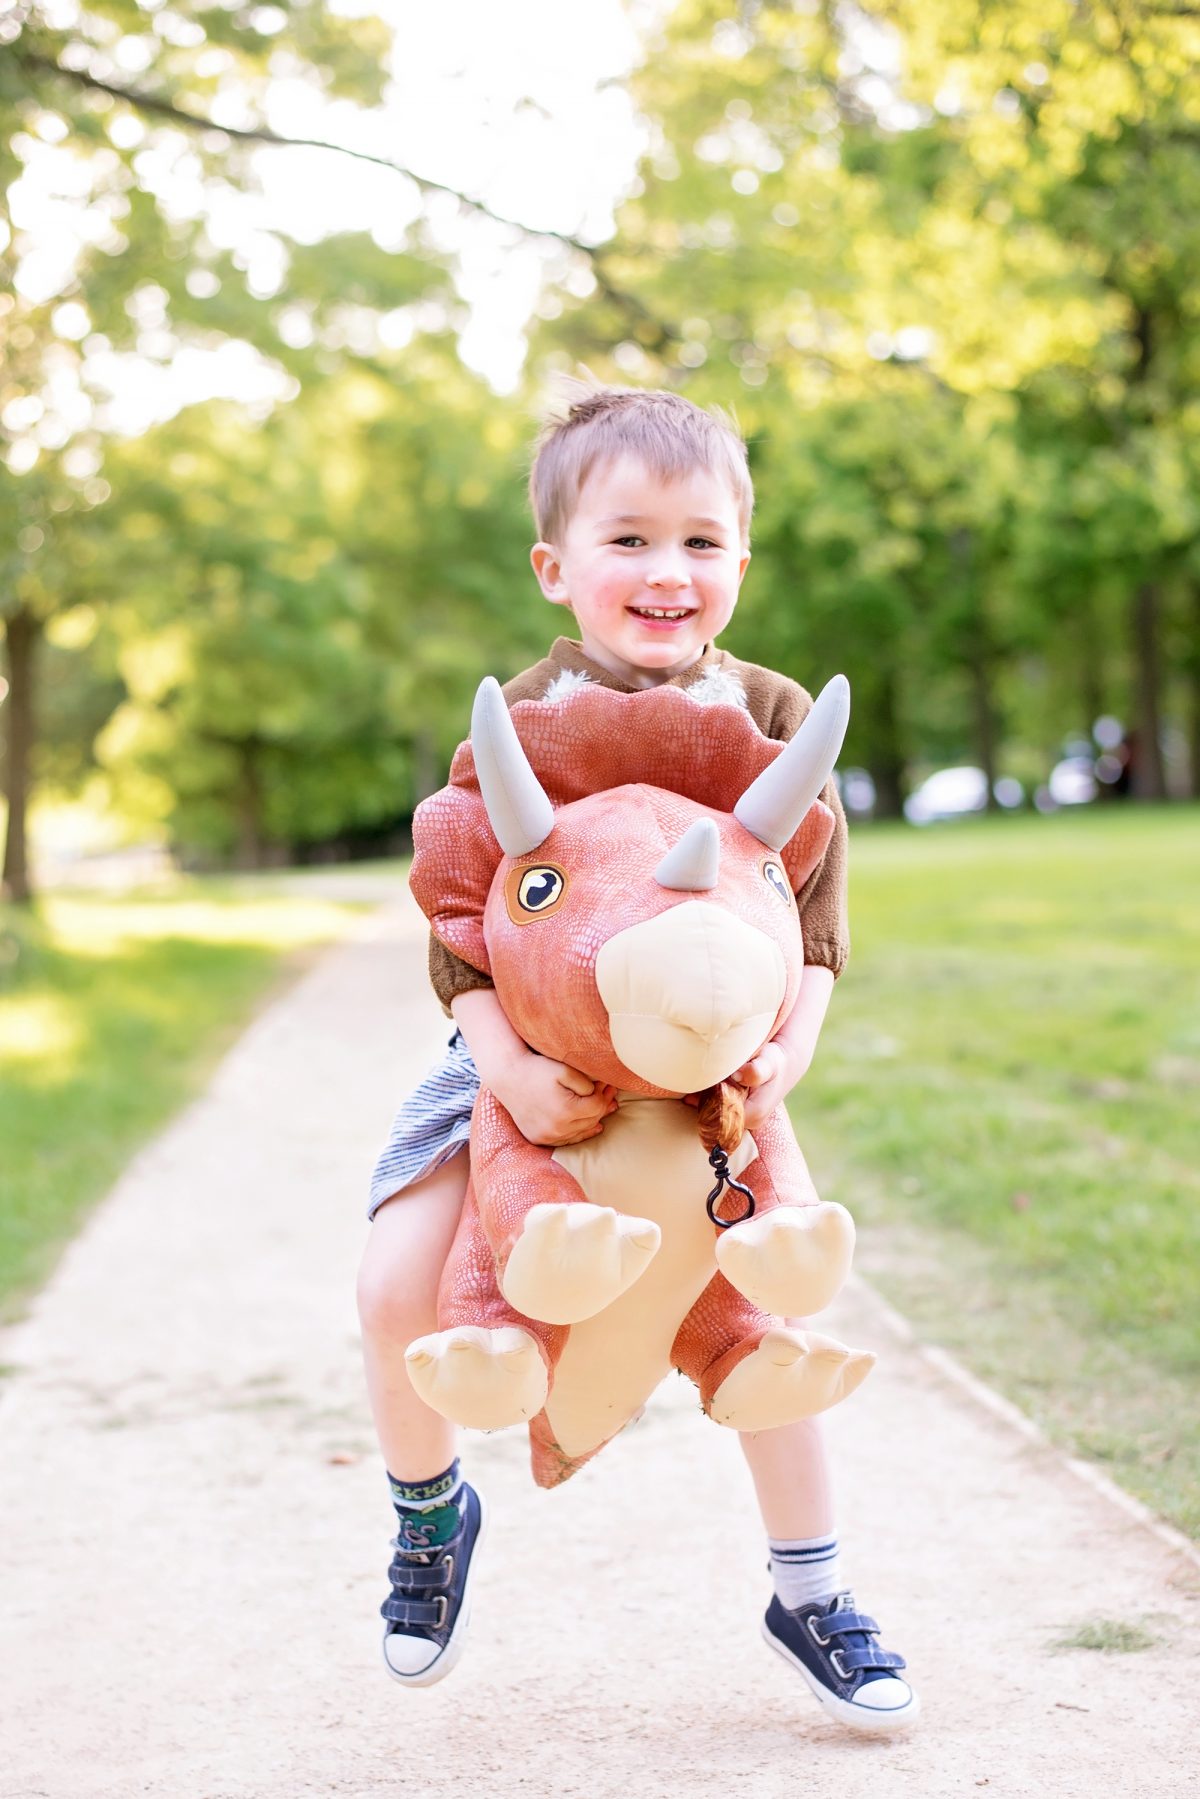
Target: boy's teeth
(659, 612)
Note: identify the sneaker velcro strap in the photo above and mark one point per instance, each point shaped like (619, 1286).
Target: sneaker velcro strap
(419, 1575)
(413, 1611)
(838, 1623)
(855, 1659)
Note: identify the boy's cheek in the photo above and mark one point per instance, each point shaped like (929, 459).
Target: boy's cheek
(610, 595)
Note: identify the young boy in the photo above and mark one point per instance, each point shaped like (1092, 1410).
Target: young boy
(642, 503)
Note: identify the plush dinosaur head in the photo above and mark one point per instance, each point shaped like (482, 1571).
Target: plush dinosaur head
(633, 931)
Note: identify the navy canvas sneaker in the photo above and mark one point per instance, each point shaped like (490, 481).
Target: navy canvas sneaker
(427, 1615)
(834, 1647)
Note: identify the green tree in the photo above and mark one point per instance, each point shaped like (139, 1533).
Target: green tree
(134, 270)
(308, 603)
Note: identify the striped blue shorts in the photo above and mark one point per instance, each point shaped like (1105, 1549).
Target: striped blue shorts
(432, 1125)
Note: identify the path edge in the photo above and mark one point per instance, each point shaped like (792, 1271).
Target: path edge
(953, 1373)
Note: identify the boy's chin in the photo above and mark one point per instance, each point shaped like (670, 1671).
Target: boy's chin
(656, 649)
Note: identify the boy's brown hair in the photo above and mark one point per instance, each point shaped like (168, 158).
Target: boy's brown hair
(592, 424)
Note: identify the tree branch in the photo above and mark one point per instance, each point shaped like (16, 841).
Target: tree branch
(262, 134)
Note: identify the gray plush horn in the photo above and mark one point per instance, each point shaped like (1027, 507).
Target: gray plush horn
(517, 806)
(694, 863)
(774, 805)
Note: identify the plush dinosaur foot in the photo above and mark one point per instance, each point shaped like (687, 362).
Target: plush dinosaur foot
(792, 1260)
(572, 1259)
(483, 1379)
(790, 1375)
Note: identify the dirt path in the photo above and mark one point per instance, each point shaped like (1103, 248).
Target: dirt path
(194, 1523)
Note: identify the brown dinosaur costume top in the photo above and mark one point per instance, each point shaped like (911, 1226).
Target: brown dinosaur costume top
(652, 941)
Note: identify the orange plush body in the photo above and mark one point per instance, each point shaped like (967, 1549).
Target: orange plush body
(654, 942)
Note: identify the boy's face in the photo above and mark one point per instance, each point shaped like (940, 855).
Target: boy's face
(650, 568)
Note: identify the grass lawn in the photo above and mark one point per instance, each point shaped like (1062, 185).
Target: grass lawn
(112, 1011)
(1007, 1097)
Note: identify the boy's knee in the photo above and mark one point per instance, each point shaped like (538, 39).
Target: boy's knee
(393, 1312)
(407, 1246)
(394, 1301)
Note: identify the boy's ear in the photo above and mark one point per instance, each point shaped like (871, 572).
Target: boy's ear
(744, 564)
(548, 569)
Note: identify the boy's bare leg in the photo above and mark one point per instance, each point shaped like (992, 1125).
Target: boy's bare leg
(409, 1241)
(791, 1477)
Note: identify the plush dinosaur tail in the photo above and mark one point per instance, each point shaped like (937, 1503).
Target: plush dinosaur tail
(550, 1462)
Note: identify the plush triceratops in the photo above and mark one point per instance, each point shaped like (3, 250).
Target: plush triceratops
(653, 942)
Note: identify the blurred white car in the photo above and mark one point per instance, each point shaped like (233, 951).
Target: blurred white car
(1073, 781)
(857, 790)
(954, 792)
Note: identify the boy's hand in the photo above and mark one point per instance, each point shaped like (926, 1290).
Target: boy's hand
(769, 1078)
(774, 1071)
(550, 1103)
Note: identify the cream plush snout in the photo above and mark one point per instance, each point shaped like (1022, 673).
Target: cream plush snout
(691, 994)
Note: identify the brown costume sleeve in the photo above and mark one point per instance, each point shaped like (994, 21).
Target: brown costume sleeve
(449, 975)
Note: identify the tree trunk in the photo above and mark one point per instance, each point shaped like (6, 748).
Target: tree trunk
(979, 658)
(984, 708)
(887, 759)
(1192, 677)
(1091, 672)
(21, 635)
(249, 850)
(1148, 775)
(1149, 772)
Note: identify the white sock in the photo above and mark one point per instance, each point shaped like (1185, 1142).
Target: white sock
(805, 1569)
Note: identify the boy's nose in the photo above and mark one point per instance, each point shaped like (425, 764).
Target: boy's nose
(669, 578)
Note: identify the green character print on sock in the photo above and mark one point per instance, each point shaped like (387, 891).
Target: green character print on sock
(428, 1529)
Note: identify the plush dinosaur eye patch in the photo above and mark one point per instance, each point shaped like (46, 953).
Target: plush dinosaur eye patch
(774, 876)
(534, 891)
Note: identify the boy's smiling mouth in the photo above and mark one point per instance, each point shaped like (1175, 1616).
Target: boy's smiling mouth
(671, 614)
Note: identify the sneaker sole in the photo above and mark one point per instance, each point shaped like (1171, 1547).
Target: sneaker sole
(855, 1717)
(451, 1655)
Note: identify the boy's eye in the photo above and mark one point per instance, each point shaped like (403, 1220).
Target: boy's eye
(702, 543)
(628, 543)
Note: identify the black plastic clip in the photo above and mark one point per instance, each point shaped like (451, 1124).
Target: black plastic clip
(719, 1161)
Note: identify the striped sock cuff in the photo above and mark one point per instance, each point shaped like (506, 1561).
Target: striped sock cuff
(805, 1569)
(418, 1495)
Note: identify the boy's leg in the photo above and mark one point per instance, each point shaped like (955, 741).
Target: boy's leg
(792, 1479)
(813, 1621)
(402, 1265)
(439, 1516)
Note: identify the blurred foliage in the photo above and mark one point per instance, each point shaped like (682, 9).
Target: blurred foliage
(944, 260)
(300, 635)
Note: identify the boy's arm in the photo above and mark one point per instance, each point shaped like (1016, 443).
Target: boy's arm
(449, 975)
(786, 1059)
(547, 1101)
